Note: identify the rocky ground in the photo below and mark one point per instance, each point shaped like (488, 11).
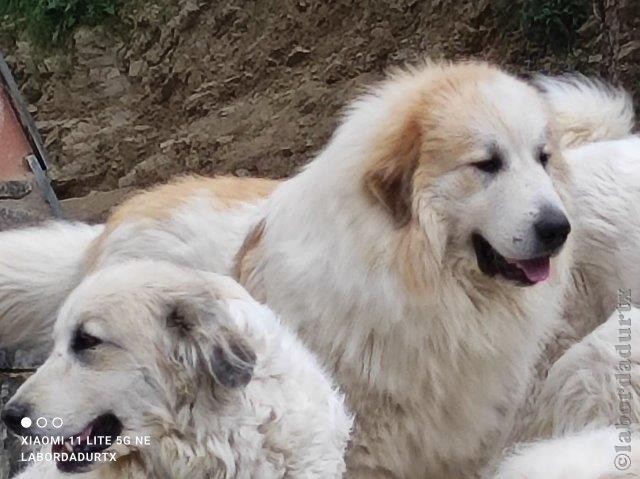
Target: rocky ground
(254, 88)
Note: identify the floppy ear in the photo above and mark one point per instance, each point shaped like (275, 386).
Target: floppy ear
(232, 360)
(389, 180)
(206, 343)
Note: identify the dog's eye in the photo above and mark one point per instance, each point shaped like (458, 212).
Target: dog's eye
(492, 165)
(83, 341)
(543, 158)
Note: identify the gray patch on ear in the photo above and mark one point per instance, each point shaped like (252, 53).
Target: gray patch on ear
(232, 364)
(181, 318)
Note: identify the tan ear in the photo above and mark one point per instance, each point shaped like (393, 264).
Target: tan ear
(389, 180)
(246, 269)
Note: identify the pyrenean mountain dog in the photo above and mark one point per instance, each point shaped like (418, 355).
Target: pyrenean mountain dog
(425, 255)
(177, 373)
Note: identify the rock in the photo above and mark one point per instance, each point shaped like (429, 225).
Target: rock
(14, 190)
(167, 144)
(76, 178)
(29, 358)
(137, 68)
(224, 140)
(307, 107)
(56, 64)
(11, 217)
(9, 463)
(158, 167)
(297, 56)
(91, 43)
(96, 206)
(32, 91)
(115, 86)
(628, 48)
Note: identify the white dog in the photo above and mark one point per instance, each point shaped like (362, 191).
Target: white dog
(595, 383)
(200, 379)
(588, 405)
(589, 455)
(606, 269)
(606, 181)
(425, 255)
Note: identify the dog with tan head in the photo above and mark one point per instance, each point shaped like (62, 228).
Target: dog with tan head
(427, 264)
(421, 255)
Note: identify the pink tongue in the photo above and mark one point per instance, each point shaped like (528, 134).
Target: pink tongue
(536, 270)
(85, 433)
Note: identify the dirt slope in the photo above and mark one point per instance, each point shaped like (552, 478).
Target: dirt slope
(254, 88)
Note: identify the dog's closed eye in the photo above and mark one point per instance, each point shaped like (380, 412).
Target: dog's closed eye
(543, 157)
(491, 165)
(83, 341)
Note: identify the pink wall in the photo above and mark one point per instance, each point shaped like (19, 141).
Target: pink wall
(13, 144)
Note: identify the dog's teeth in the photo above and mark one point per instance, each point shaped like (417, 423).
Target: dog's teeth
(68, 447)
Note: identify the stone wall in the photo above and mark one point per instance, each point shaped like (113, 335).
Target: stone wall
(22, 204)
(15, 368)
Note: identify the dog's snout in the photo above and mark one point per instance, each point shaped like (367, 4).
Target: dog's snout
(552, 228)
(12, 415)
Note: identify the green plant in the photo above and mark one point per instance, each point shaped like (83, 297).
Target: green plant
(551, 24)
(52, 21)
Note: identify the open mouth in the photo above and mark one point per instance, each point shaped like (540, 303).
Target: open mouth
(80, 451)
(524, 272)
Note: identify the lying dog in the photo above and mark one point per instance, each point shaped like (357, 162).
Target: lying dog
(587, 455)
(587, 409)
(189, 361)
(425, 255)
(606, 192)
(594, 384)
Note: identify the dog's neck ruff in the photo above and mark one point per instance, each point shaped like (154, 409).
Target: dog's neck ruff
(333, 264)
(338, 264)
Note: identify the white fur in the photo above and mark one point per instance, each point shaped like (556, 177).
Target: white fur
(589, 455)
(288, 421)
(199, 234)
(433, 374)
(579, 392)
(595, 383)
(406, 359)
(445, 364)
(38, 268)
(587, 110)
(607, 192)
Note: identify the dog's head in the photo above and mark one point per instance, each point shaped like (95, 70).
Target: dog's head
(467, 158)
(137, 346)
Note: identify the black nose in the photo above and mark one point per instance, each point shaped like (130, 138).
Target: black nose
(12, 416)
(552, 228)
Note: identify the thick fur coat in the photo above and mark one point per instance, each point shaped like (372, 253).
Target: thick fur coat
(188, 360)
(369, 253)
